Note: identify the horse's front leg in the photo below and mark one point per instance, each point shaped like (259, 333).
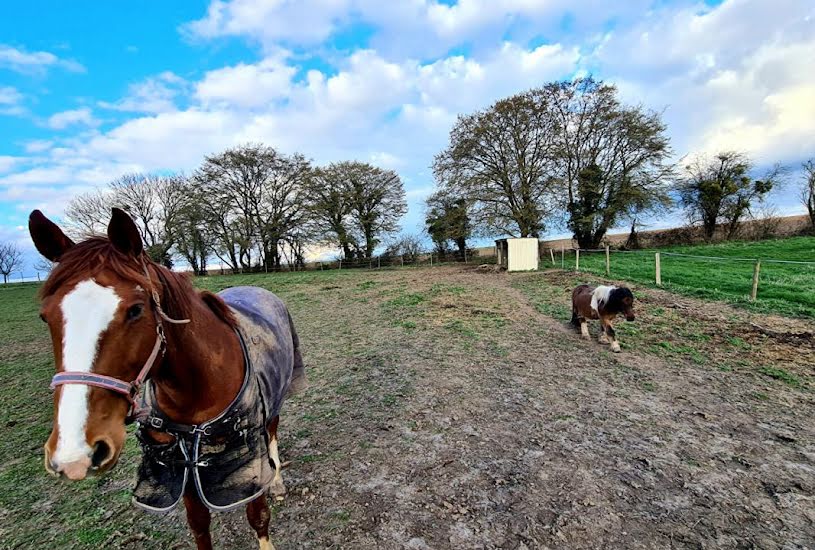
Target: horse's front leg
(277, 488)
(198, 518)
(258, 514)
(609, 331)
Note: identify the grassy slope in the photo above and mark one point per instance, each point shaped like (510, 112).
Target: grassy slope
(783, 288)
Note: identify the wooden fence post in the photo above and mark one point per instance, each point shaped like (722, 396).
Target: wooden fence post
(552, 255)
(379, 262)
(403, 260)
(431, 259)
(562, 258)
(754, 290)
(340, 263)
(658, 269)
(608, 262)
(577, 259)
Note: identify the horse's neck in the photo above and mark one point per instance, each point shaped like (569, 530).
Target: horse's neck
(202, 370)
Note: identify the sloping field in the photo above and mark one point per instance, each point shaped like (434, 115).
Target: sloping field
(784, 288)
(451, 408)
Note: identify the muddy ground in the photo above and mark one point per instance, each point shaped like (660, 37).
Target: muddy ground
(454, 408)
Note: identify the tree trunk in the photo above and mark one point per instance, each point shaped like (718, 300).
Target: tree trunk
(633, 241)
(461, 243)
(369, 244)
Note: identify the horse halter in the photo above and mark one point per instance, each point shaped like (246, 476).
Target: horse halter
(130, 390)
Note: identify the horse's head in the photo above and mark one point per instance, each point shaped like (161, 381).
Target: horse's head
(97, 305)
(622, 301)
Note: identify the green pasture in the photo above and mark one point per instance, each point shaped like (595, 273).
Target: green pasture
(786, 289)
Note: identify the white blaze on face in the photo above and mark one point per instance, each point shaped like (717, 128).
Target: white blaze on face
(600, 296)
(86, 311)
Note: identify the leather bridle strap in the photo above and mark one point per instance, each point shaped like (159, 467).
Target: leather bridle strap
(128, 389)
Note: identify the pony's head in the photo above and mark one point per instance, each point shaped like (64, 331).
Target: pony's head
(104, 326)
(621, 300)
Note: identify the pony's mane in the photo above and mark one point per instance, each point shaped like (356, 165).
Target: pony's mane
(98, 254)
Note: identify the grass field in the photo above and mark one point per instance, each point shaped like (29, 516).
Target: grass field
(453, 408)
(783, 288)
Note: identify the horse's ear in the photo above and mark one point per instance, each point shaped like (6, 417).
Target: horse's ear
(124, 234)
(49, 239)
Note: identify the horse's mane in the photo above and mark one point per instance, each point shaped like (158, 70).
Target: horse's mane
(175, 289)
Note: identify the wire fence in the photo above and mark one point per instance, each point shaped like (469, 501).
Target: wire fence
(784, 283)
(378, 262)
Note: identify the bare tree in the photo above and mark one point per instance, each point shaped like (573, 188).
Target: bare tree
(193, 240)
(329, 198)
(152, 201)
(808, 190)
(448, 220)
(43, 265)
(499, 160)
(10, 259)
(259, 199)
(406, 247)
(569, 146)
(377, 200)
(720, 190)
(611, 158)
(87, 214)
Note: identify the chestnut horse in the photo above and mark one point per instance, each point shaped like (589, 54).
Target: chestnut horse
(117, 319)
(604, 303)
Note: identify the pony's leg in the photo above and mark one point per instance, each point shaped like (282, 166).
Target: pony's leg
(198, 518)
(603, 338)
(584, 329)
(257, 512)
(277, 488)
(612, 336)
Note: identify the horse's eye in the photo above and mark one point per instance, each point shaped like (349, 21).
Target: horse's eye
(134, 312)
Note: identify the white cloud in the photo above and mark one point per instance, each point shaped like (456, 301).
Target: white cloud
(156, 94)
(732, 76)
(295, 21)
(246, 85)
(737, 76)
(37, 145)
(73, 117)
(34, 62)
(10, 101)
(8, 162)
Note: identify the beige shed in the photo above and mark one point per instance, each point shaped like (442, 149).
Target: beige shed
(517, 254)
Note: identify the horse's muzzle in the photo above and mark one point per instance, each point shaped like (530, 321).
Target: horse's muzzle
(630, 318)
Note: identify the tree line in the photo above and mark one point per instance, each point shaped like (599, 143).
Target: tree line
(569, 153)
(572, 153)
(252, 207)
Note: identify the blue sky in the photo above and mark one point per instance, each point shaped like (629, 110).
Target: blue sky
(90, 90)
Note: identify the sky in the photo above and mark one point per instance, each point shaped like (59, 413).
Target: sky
(92, 90)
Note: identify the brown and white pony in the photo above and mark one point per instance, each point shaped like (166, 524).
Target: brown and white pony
(603, 303)
(110, 312)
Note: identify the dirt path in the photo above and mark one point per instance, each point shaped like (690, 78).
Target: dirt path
(446, 412)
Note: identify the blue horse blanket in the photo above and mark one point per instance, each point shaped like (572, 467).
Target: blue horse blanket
(227, 457)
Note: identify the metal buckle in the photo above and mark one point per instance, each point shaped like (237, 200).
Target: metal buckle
(205, 431)
(156, 422)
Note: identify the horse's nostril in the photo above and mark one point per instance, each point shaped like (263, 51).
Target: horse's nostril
(101, 453)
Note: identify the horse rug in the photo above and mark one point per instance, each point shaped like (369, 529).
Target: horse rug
(226, 458)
